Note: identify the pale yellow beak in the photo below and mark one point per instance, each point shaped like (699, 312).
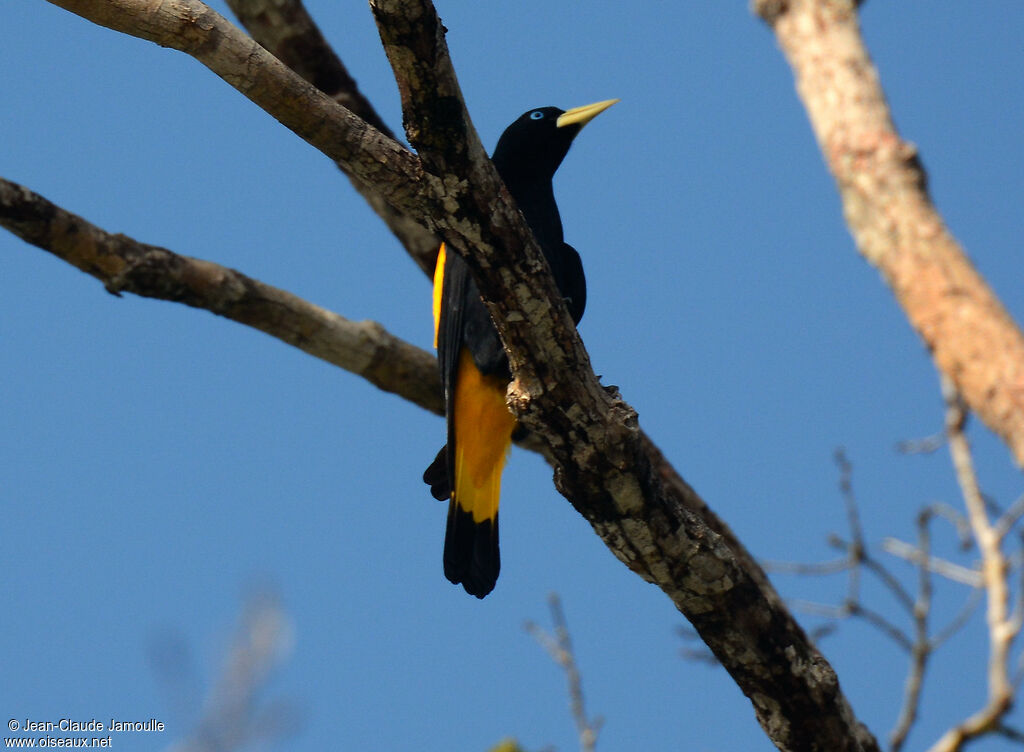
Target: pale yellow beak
(583, 115)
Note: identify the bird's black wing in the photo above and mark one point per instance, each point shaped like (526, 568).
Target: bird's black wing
(449, 336)
(572, 283)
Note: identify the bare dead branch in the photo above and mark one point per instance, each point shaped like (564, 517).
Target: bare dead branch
(971, 337)
(859, 555)
(943, 567)
(611, 472)
(948, 569)
(662, 530)
(1009, 518)
(959, 522)
(959, 621)
(195, 29)
(993, 580)
(890, 581)
(882, 624)
(825, 610)
(926, 445)
(559, 646)
(1002, 627)
(857, 549)
(233, 716)
(922, 647)
(919, 645)
(849, 500)
(126, 265)
(285, 29)
(853, 609)
(816, 569)
(1008, 732)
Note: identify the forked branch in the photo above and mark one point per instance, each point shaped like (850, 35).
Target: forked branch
(123, 264)
(647, 515)
(1003, 625)
(285, 29)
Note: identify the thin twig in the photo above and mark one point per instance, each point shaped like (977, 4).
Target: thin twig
(959, 522)
(1002, 628)
(234, 717)
(812, 569)
(943, 567)
(864, 559)
(926, 445)
(960, 620)
(858, 547)
(883, 625)
(559, 647)
(1014, 735)
(124, 264)
(846, 488)
(1009, 518)
(922, 647)
(891, 583)
(856, 556)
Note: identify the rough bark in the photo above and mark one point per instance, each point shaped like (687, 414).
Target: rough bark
(610, 471)
(972, 339)
(605, 465)
(193, 28)
(126, 265)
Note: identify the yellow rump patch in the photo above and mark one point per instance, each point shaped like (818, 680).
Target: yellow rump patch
(483, 434)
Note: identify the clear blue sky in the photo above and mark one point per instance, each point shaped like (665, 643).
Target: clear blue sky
(155, 460)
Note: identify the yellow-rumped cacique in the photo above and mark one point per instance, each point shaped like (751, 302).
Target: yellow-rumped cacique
(474, 369)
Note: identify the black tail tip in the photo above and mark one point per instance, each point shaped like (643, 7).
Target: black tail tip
(477, 589)
(471, 555)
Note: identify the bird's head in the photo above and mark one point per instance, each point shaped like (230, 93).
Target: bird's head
(535, 144)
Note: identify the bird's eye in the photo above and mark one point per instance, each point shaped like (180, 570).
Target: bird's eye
(536, 115)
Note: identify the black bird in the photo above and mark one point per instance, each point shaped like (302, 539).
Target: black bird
(474, 368)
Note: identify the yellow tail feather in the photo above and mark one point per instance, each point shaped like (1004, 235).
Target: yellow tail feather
(483, 434)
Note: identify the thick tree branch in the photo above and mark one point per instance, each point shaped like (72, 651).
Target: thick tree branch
(896, 227)
(191, 27)
(648, 516)
(126, 265)
(285, 29)
(605, 465)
